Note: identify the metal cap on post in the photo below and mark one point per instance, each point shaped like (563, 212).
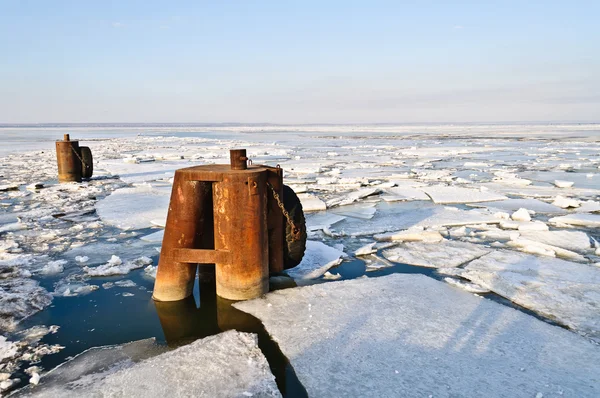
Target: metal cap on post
(238, 159)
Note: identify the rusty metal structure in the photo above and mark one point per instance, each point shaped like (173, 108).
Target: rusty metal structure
(74, 162)
(230, 216)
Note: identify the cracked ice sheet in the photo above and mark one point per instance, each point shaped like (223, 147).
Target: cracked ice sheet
(441, 194)
(134, 208)
(580, 219)
(142, 172)
(229, 364)
(515, 204)
(560, 290)
(395, 218)
(435, 255)
(317, 260)
(412, 336)
(19, 299)
(576, 241)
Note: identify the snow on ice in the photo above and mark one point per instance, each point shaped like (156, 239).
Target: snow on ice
(445, 254)
(229, 364)
(409, 335)
(564, 291)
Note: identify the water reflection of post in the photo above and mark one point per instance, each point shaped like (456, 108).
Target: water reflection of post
(230, 318)
(182, 322)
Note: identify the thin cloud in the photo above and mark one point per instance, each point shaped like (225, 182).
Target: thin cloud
(118, 24)
(458, 27)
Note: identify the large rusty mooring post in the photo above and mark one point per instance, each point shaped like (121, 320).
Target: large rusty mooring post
(74, 162)
(222, 215)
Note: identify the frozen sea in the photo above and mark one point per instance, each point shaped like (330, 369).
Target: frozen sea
(508, 212)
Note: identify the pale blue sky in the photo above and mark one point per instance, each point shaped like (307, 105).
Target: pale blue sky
(299, 62)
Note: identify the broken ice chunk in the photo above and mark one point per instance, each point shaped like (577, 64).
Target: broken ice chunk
(363, 211)
(580, 219)
(450, 194)
(467, 286)
(353, 196)
(151, 271)
(317, 221)
(154, 237)
(366, 249)
(521, 215)
(576, 241)
(533, 247)
(54, 267)
(317, 259)
(515, 204)
(558, 289)
(563, 184)
(411, 235)
(134, 208)
(115, 266)
(311, 202)
(20, 298)
(562, 202)
(445, 254)
(447, 335)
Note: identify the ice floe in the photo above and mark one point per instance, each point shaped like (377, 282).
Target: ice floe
(229, 364)
(440, 255)
(409, 335)
(317, 259)
(19, 299)
(134, 208)
(311, 202)
(576, 241)
(580, 219)
(515, 204)
(116, 266)
(442, 194)
(564, 291)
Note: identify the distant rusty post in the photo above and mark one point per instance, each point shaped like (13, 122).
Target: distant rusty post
(69, 163)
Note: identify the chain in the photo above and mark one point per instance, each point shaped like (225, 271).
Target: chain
(295, 229)
(87, 166)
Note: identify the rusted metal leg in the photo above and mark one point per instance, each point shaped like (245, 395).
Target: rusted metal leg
(186, 223)
(240, 212)
(67, 158)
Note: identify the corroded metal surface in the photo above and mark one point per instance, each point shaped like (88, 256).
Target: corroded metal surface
(240, 211)
(222, 216)
(69, 164)
(238, 159)
(188, 220)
